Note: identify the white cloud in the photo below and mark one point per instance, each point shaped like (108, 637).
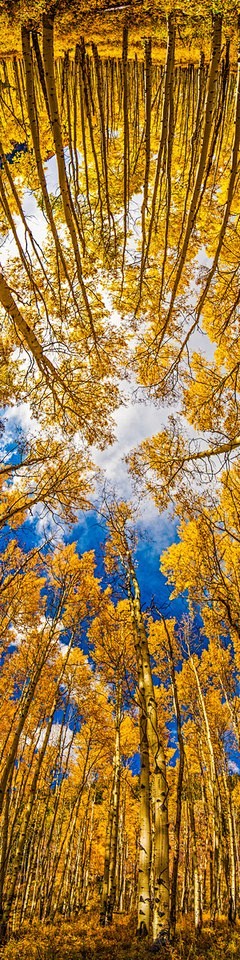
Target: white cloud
(233, 767)
(21, 417)
(36, 222)
(63, 647)
(55, 735)
(134, 422)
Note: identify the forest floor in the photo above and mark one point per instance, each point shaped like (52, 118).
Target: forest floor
(84, 939)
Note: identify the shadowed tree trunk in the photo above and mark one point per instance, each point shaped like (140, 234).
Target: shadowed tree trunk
(109, 878)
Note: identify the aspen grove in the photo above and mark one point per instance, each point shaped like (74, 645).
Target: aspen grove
(120, 482)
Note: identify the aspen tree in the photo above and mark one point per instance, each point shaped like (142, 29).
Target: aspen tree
(196, 878)
(120, 549)
(209, 109)
(110, 634)
(109, 882)
(165, 646)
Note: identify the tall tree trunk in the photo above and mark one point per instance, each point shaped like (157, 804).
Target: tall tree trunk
(111, 895)
(232, 879)
(196, 877)
(158, 777)
(169, 68)
(69, 211)
(125, 143)
(208, 111)
(143, 921)
(213, 783)
(186, 865)
(180, 775)
(109, 880)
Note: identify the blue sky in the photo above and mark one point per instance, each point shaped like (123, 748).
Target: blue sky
(90, 534)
